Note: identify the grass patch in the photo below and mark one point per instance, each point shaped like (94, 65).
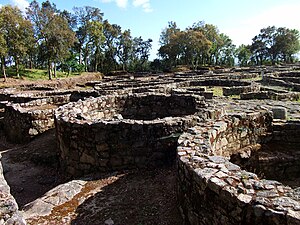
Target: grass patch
(259, 78)
(217, 91)
(235, 96)
(35, 74)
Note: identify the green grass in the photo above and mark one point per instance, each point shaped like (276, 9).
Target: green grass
(217, 91)
(35, 74)
(259, 78)
(235, 96)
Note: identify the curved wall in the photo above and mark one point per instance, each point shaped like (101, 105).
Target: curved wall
(212, 190)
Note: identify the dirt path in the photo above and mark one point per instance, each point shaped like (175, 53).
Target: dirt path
(31, 169)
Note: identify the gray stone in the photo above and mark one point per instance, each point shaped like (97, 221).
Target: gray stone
(279, 113)
(109, 222)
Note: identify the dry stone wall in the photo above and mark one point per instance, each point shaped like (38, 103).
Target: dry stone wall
(118, 132)
(22, 121)
(140, 121)
(9, 213)
(212, 190)
(237, 90)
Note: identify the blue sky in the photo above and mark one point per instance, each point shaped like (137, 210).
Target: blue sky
(241, 20)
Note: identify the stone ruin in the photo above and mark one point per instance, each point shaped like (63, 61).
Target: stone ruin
(214, 190)
(227, 172)
(124, 131)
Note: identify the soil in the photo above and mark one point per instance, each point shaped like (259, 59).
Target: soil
(130, 197)
(30, 169)
(54, 83)
(43, 107)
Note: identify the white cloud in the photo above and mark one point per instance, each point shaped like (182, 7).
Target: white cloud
(145, 4)
(21, 4)
(285, 15)
(120, 3)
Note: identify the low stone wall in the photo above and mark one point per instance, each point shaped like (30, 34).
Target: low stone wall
(286, 132)
(227, 91)
(212, 190)
(201, 91)
(23, 121)
(292, 96)
(295, 74)
(219, 82)
(9, 213)
(14, 95)
(271, 80)
(278, 159)
(256, 95)
(118, 132)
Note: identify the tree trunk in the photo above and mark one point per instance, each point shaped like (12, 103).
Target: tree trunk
(17, 67)
(3, 68)
(85, 64)
(30, 62)
(49, 70)
(54, 70)
(80, 56)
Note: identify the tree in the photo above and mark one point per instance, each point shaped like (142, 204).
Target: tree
(243, 54)
(258, 50)
(287, 41)
(211, 33)
(226, 51)
(53, 33)
(141, 52)
(87, 19)
(194, 45)
(274, 44)
(125, 48)
(169, 48)
(17, 34)
(111, 32)
(95, 40)
(3, 47)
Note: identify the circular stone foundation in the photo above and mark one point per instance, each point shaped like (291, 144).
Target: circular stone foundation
(213, 190)
(120, 132)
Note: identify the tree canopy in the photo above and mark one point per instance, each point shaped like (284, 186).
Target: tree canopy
(49, 38)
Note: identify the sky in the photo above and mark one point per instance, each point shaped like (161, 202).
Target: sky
(241, 20)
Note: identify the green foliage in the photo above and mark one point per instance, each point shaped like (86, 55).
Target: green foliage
(53, 32)
(243, 54)
(200, 44)
(51, 39)
(274, 45)
(16, 34)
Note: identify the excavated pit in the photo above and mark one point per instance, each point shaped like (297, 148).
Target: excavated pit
(277, 159)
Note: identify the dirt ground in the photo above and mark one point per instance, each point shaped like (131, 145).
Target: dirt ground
(57, 83)
(127, 197)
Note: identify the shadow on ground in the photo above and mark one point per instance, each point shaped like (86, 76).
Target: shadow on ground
(31, 169)
(139, 197)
